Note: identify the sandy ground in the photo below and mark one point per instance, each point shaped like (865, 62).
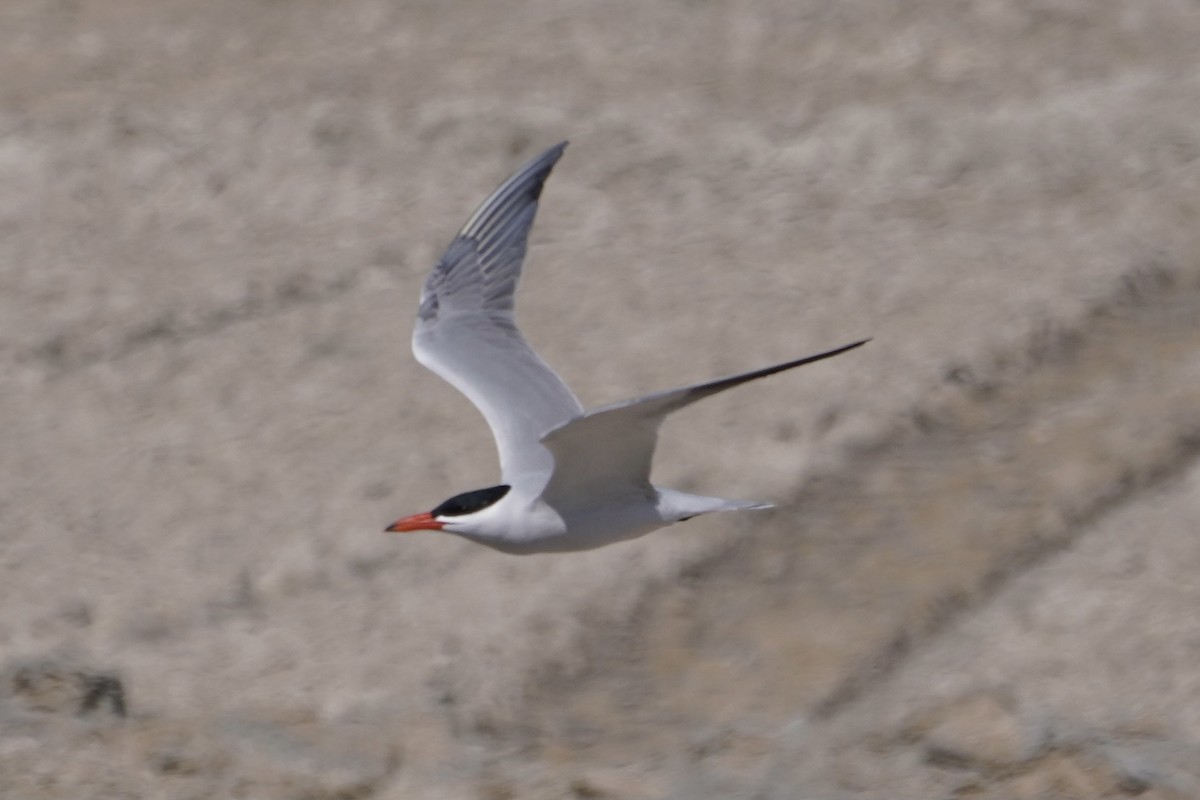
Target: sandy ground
(214, 222)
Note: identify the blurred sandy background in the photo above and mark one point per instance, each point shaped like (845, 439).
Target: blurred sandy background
(214, 221)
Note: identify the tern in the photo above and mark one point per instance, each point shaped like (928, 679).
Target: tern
(571, 480)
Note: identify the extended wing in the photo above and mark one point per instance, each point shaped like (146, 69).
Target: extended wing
(466, 332)
(607, 453)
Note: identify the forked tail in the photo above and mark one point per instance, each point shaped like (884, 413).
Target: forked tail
(676, 506)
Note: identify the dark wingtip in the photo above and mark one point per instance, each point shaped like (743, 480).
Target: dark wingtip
(546, 160)
(837, 351)
(859, 343)
(522, 188)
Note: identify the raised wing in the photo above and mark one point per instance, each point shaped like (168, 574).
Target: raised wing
(607, 453)
(466, 332)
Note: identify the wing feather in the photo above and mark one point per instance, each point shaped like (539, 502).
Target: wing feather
(608, 452)
(467, 334)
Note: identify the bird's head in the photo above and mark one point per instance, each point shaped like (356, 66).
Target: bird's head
(464, 513)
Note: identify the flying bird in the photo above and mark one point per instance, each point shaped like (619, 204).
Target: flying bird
(571, 480)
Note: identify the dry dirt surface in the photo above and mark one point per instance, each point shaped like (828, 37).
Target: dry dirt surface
(981, 581)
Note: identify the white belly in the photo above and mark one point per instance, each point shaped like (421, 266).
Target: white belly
(587, 529)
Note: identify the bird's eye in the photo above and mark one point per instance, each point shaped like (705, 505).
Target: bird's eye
(470, 502)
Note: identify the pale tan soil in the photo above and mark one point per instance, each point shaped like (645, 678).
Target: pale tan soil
(214, 221)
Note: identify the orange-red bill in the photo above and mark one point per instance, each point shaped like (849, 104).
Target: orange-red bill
(417, 522)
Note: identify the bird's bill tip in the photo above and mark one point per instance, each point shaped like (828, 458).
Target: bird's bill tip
(417, 522)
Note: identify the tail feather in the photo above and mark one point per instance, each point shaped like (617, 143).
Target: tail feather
(675, 506)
